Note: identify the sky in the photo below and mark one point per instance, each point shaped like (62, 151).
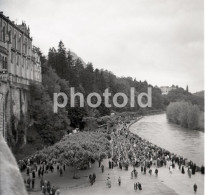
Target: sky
(160, 41)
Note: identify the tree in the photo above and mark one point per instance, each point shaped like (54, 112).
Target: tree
(77, 150)
(193, 117)
(184, 114)
(187, 88)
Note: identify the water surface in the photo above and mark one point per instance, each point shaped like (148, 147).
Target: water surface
(185, 142)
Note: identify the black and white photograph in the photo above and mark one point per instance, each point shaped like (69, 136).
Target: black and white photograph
(102, 97)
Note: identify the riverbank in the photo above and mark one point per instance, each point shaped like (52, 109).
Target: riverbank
(157, 130)
(179, 182)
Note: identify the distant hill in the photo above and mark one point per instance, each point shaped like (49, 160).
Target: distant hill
(199, 94)
(75, 57)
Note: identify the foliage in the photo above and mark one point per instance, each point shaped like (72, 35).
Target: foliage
(180, 94)
(184, 114)
(49, 124)
(86, 79)
(77, 150)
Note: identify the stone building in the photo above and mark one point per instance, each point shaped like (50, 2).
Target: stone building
(166, 89)
(19, 68)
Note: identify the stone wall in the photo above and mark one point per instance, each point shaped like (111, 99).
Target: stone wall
(13, 108)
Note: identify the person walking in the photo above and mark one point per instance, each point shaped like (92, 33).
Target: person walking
(91, 179)
(142, 169)
(43, 190)
(156, 172)
(119, 181)
(145, 170)
(139, 186)
(99, 163)
(41, 183)
(33, 174)
(29, 182)
(170, 169)
(195, 188)
(94, 177)
(131, 174)
(135, 186)
(102, 168)
(110, 164)
(189, 172)
(150, 171)
(33, 183)
(61, 171)
(183, 170)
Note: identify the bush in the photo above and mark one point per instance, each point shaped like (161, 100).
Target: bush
(184, 114)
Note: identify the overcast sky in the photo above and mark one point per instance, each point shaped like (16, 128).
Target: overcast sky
(160, 41)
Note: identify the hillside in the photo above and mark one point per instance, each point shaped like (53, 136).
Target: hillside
(199, 94)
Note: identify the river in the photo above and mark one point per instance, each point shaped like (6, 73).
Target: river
(185, 142)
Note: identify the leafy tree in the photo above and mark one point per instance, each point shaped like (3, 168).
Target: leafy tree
(193, 117)
(78, 150)
(184, 114)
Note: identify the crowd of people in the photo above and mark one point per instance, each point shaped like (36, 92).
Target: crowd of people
(34, 167)
(131, 150)
(128, 150)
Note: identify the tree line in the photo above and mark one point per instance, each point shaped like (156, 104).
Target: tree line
(60, 71)
(184, 113)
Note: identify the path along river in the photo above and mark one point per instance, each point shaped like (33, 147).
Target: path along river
(185, 142)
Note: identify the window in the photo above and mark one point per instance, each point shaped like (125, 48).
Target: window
(17, 61)
(25, 46)
(9, 34)
(4, 33)
(14, 41)
(23, 61)
(5, 63)
(12, 56)
(19, 43)
(1, 61)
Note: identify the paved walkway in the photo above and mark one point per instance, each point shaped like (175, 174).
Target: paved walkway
(150, 184)
(164, 184)
(181, 183)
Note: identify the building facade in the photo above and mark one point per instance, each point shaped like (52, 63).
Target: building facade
(19, 59)
(19, 68)
(166, 89)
